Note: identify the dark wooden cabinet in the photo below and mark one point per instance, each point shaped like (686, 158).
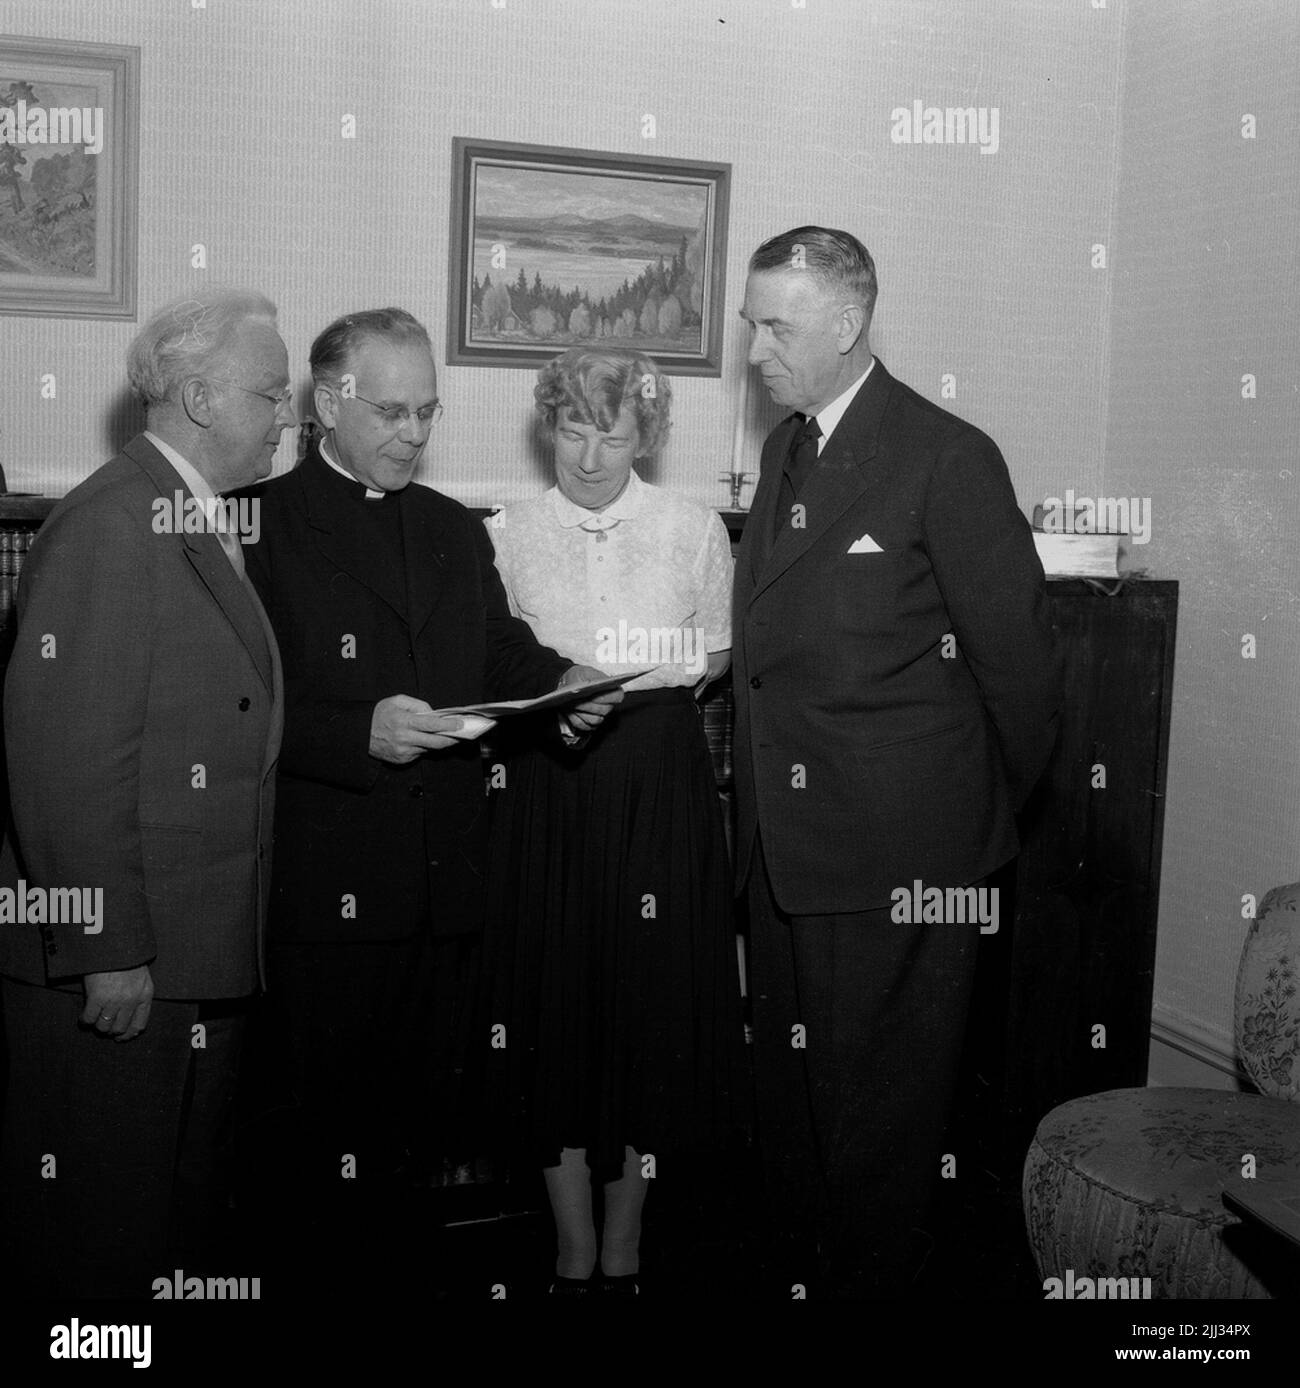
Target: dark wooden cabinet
(1065, 1006)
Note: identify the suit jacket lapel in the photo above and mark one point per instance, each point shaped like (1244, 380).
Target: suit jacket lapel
(756, 541)
(275, 731)
(203, 550)
(338, 540)
(426, 561)
(840, 478)
(422, 541)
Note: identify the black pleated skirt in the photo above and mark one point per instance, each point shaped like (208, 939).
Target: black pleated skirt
(610, 949)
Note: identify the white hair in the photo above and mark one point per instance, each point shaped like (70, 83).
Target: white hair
(187, 336)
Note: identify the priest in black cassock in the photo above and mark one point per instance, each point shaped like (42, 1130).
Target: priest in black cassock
(387, 606)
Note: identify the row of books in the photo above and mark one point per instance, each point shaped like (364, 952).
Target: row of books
(15, 540)
(1067, 551)
(716, 711)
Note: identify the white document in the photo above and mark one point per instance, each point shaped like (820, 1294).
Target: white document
(557, 698)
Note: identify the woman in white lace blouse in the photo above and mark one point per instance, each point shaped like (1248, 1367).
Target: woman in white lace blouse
(610, 942)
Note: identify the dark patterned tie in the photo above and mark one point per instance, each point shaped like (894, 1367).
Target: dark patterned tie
(803, 454)
(798, 464)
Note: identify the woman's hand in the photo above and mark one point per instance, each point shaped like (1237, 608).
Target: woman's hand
(587, 717)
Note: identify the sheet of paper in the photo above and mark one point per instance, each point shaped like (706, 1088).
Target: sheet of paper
(557, 698)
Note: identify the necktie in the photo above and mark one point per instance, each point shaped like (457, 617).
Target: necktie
(230, 543)
(803, 454)
(798, 464)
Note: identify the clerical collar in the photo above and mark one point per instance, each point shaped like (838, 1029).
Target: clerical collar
(371, 493)
(569, 513)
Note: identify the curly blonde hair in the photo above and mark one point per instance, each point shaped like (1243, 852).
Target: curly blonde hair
(591, 386)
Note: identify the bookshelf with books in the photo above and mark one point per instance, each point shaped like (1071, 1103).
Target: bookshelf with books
(20, 519)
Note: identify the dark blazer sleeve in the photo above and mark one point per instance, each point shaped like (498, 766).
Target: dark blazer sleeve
(517, 666)
(984, 561)
(325, 740)
(76, 700)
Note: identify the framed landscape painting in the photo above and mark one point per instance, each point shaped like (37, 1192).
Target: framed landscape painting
(551, 248)
(69, 152)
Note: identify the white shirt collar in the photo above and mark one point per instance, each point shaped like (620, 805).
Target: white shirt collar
(190, 475)
(569, 513)
(371, 493)
(218, 515)
(828, 418)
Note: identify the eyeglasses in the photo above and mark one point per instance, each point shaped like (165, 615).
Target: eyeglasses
(285, 397)
(394, 417)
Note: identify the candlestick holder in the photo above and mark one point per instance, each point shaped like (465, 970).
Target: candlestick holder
(736, 481)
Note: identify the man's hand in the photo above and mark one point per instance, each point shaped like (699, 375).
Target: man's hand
(117, 1003)
(586, 718)
(404, 728)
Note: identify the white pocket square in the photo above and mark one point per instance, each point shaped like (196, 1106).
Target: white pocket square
(866, 545)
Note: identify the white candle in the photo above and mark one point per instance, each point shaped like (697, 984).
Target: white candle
(738, 438)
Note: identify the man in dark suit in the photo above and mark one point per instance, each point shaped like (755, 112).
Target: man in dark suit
(896, 698)
(143, 710)
(388, 606)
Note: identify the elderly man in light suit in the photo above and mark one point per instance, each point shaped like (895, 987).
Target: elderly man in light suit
(143, 710)
(896, 696)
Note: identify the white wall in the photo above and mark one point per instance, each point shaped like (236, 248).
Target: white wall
(1206, 254)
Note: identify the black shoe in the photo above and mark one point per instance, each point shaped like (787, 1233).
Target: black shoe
(628, 1285)
(570, 1286)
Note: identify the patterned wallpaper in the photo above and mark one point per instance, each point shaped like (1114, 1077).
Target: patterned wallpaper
(242, 151)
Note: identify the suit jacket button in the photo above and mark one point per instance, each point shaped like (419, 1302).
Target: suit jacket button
(755, 682)
(417, 791)
(51, 949)
(245, 705)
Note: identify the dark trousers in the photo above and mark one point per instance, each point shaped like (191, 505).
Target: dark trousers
(851, 1122)
(115, 1157)
(366, 1042)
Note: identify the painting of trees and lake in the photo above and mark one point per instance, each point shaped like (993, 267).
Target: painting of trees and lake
(560, 255)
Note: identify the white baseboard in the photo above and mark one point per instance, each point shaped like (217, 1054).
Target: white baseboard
(1187, 1052)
